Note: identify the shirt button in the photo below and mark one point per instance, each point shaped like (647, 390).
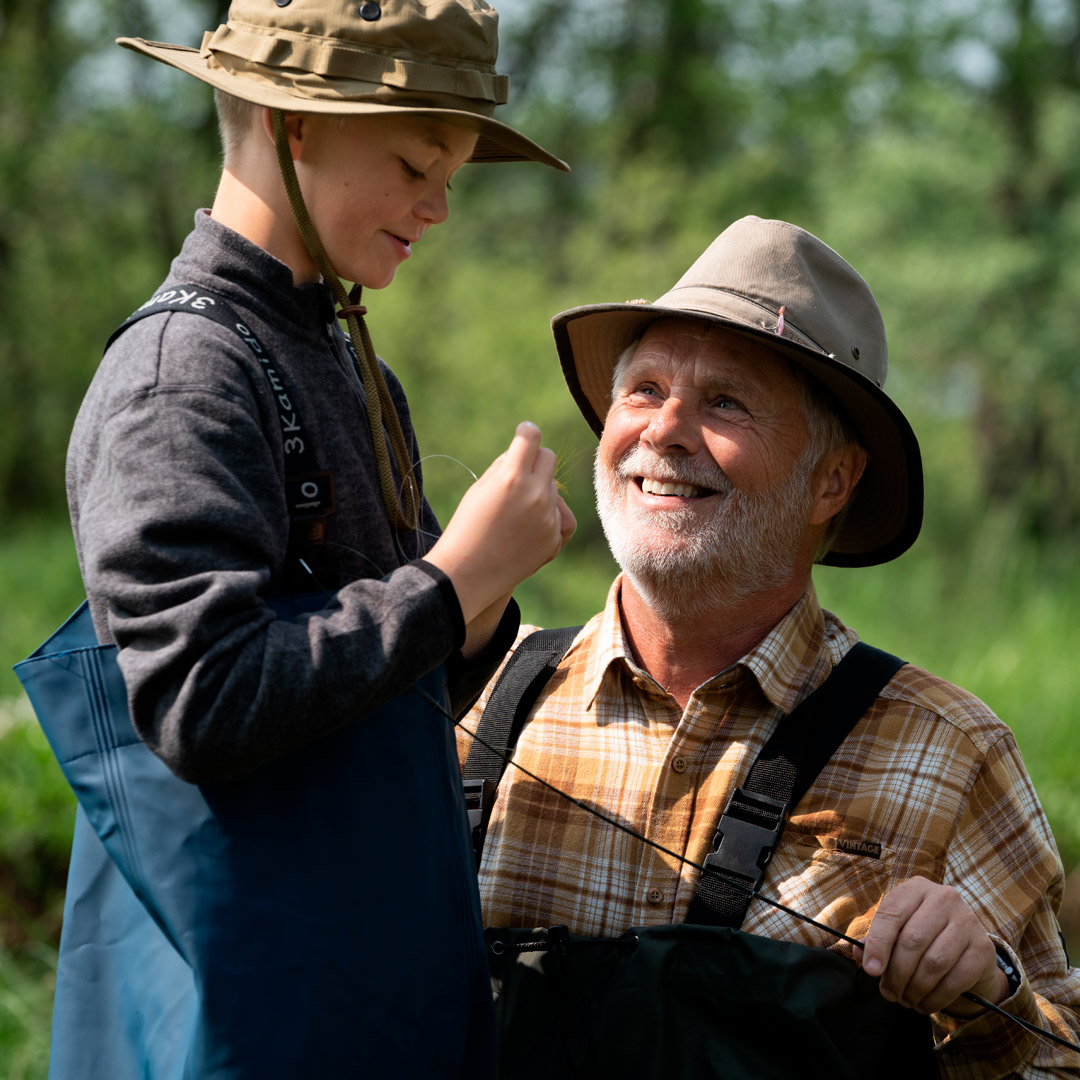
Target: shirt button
(679, 764)
(654, 896)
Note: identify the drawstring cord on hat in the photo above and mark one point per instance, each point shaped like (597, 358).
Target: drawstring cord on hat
(403, 512)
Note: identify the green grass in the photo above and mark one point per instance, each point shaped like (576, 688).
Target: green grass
(39, 587)
(27, 979)
(37, 811)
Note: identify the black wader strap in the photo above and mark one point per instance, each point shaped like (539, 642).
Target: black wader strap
(519, 684)
(790, 761)
(309, 490)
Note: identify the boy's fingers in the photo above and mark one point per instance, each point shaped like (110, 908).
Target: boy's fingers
(544, 464)
(567, 521)
(521, 452)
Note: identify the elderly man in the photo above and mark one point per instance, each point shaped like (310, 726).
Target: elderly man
(744, 436)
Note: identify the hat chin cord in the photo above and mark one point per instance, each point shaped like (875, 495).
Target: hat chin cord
(382, 416)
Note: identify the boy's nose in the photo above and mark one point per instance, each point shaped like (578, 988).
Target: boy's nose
(434, 207)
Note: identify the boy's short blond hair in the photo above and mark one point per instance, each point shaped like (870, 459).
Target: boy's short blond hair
(235, 119)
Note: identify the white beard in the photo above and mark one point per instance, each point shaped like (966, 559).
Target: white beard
(684, 563)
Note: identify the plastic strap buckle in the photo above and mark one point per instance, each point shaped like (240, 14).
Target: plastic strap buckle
(479, 799)
(747, 836)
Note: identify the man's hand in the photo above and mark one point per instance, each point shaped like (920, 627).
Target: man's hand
(508, 524)
(929, 948)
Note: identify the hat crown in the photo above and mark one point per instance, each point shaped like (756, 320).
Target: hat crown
(449, 46)
(456, 32)
(757, 268)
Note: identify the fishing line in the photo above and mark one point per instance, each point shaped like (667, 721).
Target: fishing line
(446, 457)
(705, 869)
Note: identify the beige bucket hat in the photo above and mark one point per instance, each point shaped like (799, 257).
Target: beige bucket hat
(352, 57)
(777, 283)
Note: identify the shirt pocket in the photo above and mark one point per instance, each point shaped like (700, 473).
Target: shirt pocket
(837, 880)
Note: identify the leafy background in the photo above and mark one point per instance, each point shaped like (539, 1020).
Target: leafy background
(932, 144)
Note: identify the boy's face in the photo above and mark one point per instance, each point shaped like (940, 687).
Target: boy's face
(375, 184)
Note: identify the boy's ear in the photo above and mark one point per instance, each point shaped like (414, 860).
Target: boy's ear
(294, 128)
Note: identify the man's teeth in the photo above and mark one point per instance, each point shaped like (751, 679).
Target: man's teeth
(666, 487)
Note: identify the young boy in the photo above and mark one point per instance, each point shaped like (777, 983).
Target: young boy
(218, 463)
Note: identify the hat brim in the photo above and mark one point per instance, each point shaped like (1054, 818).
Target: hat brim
(497, 142)
(885, 515)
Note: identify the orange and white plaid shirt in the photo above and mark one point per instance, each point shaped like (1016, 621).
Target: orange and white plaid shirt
(929, 782)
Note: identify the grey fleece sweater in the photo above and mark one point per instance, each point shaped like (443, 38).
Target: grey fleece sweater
(176, 490)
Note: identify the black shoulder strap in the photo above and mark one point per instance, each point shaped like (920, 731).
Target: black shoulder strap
(308, 489)
(805, 740)
(515, 692)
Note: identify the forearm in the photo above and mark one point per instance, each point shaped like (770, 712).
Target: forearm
(469, 671)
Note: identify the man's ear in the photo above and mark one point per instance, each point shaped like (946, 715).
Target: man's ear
(294, 128)
(834, 481)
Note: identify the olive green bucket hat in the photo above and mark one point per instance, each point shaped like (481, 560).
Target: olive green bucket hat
(351, 58)
(782, 286)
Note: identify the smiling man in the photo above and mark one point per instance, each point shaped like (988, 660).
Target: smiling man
(744, 436)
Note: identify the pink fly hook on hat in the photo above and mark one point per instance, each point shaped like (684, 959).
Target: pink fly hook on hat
(776, 282)
(349, 57)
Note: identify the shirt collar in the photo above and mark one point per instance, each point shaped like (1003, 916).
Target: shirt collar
(790, 662)
(794, 658)
(247, 274)
(608, 644)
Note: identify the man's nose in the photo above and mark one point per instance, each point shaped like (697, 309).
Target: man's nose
(673, 427)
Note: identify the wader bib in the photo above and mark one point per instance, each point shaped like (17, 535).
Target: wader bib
(702, 998)
(256, 930)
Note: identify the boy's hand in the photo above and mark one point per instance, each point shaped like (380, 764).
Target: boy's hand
(508, 524)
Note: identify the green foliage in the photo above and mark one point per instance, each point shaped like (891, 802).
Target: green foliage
(37, 814)
(37, 809)
(40, 587)
(27, 979)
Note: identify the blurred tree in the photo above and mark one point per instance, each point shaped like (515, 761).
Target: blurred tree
(96, 193)
(35, 51)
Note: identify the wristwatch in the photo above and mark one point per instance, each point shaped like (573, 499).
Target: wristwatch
(1011, 973)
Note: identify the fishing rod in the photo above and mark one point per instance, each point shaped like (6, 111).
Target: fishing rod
(704, 868)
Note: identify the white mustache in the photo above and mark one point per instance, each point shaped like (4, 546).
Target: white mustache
(641, 462)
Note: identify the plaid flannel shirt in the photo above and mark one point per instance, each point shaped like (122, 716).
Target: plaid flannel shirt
(930, 782)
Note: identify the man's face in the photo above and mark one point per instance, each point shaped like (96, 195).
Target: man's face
(375, 184)
(700, 477)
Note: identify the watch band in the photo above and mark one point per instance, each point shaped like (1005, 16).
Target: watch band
(1011, 973)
